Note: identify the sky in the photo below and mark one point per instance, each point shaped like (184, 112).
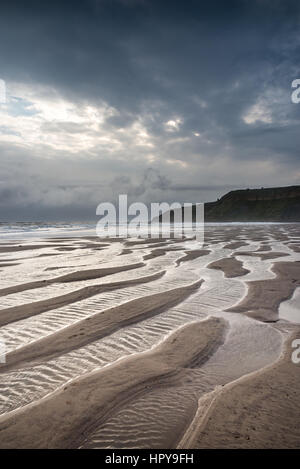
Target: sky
(166, 101)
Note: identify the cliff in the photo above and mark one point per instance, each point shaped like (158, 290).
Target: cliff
(277, 204)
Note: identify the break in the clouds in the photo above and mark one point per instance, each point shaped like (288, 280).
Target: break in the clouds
(162, 100)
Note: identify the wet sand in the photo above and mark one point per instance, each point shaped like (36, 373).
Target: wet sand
(93, 396)
(191, 255)
(97, 326)
(231, 267)
(262, 255)
(16, 313)
(264, 296)
(158, 343)
(72, 277)
(260, 411)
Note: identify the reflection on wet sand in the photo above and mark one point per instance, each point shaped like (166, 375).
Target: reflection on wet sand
(150, 343)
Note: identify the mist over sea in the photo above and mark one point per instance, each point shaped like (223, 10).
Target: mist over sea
(44, 229)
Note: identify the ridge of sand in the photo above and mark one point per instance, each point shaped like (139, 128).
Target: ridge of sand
(25, 247)
(125, 252)
(191, 255)
(157, 245)
(294, 248)
(141, 242)
(236, 245)
(264, 248)
(64, 267)
(64, 418)
(72, 277)
(156, 241)
(160, 252)
(16, 313)
(230, 266)
(96, 327)
(263, 255)
(256, 411)
(264, 296)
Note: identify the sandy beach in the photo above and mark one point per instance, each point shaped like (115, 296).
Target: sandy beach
(151, 343)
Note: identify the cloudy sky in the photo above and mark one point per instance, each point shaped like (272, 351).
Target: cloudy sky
(161, 100)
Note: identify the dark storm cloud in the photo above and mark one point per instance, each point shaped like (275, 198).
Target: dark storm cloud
(223, 68)
(129, 52)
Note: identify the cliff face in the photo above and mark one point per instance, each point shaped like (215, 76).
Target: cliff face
(280, 204)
